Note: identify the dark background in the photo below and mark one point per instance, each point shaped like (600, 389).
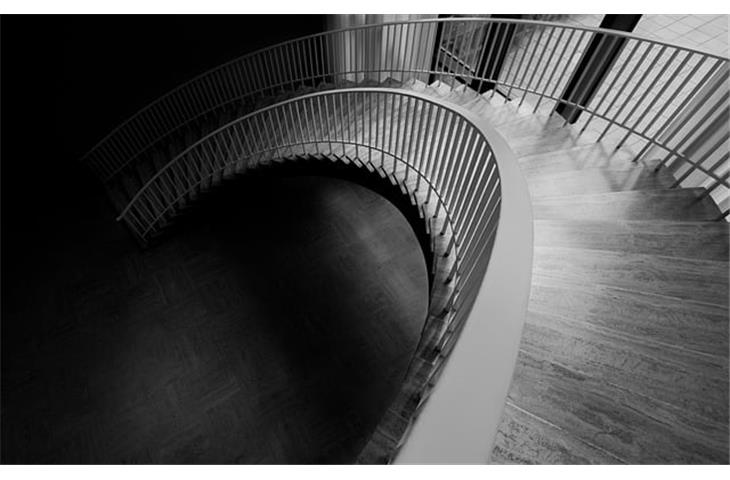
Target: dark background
(67, 80)
(85, 313)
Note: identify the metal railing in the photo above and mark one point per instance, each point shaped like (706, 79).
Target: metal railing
(439, 158)
(649, 94)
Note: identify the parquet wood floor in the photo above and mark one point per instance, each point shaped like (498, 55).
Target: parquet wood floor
(272, 328)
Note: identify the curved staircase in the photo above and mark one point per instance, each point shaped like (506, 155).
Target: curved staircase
(624, 353)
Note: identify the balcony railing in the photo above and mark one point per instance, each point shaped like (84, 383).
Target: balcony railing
(661, 97)
(260, 109)
(441, 160)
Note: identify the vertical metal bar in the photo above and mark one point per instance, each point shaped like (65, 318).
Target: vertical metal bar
(399, 54)
(534, 70)
(568, 59)
(456, 52)
(327, 71)
(326, 113)
(397, 148)
(720, 181)
(608, 90)
(576, 98)
(643, 97)
(665, 87)
(456, 58)
(476, 167)
(548, 63)
(322, 61)
(696, 126)
(519, 66)
(483, 59)
(421, 47)
(623, 87)
(387, 54)
(407, 51)
(463, 156)
(424, 142)
(420, 140)
(443, 156)
(378, 137)
(342, 124)
(353, 138)
(694, 166)
(432, 144)
(446, 34)
(685, 102)
(459, 147)
(494, 72)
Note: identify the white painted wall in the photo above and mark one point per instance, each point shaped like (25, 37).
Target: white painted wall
(363, 49)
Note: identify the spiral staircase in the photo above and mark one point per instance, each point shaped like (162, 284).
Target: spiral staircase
(610, 226)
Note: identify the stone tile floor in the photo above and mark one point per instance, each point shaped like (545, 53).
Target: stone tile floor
(706, 33)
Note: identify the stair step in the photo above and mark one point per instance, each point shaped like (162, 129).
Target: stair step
(667, 204)
(596, 180)
(665, 320)
(697, 240)
(686, 380)
(594, 155)
(689, 279)
(520, 431)
(613, 418)
(550, 141)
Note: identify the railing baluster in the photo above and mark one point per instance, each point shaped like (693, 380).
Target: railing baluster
(519, 66)
(557, 64)
(612, 119)
(502, 53)
(720, 181)
(563, 75)
(647, 91)
(422, 139)
(680, 108)
(694, 166)
(529, 64)
(539, 61)
(675, 150)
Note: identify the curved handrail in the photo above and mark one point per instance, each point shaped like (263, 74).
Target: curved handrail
(445, 160)
(335, 58)
(475, 375)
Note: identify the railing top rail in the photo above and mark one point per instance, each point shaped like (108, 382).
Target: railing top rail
(615, 33)
(490, 339)
(424, 98)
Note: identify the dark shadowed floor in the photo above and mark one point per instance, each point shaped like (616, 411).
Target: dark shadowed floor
(274, 327)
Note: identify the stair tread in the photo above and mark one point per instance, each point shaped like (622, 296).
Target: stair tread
(594, 155)
(683, 379)
(595, 180)
(698, 240)
(614, 418)
(661, 204)
(670, 321)
(520, 431)
(704, 281)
